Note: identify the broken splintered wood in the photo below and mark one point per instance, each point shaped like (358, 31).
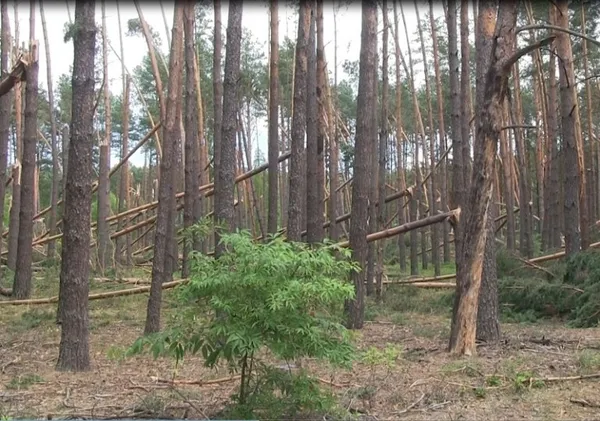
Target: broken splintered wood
(17, 74)
(401, 229)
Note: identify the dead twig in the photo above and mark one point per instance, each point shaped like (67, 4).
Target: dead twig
(331, 383)
(566, 378)
(5, 366)
(584, 402)
(186, 400)
(411, 406)
(197, 382)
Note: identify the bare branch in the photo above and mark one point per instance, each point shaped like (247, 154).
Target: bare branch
(508, 63)
(519, 126)
(558, 28)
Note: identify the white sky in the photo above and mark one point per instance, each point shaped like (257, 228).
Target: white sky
(255, 18)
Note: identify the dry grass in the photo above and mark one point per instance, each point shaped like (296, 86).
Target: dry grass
(423, 383)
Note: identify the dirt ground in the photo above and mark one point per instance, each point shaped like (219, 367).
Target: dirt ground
(516, 379)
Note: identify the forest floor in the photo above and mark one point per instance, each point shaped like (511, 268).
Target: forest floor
(520, 378)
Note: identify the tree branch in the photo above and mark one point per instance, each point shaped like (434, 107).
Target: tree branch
(508, 63)
(560, 29)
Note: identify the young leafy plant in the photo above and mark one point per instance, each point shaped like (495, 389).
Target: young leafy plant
(280, 296)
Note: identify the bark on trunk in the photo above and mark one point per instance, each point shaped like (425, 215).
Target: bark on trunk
(217, 84)
(192, 153)
(273, 147)
(334, 153)
(74, 286)
(314, 190)
(442, 134)
(23, 285)
(366, 101)
(15, 205)
(458, 172)
(5, 108)
(382, 153)
(465, 91)
(525, 210)
(568, 109)
(55, 174)
(464, 321)
(552, 171)
(507, 171)
(297, 177)
(435, 252)
(225, 171)
(399, 144)
(105, 251)
(488, 327)
(416, 207)
(162, 244)
(125, 181)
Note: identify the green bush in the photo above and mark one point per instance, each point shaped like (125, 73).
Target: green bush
(282, 297)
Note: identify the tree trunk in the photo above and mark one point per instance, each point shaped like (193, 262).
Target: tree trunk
(382, 153)
(201, 245)
(416, 208)
(458, 168)
(435, 251)
(105, 251)
(125, 182)
(5, 107)
(297, 177)
(225, 171)
(314, 190)
(153, 61)
(465, 90)
(74, 353)
(592, 187)
(399, 167)
(22, 286)
(568, 109)
(525, 217)
(217, 85)
(65, 159)
(464, 320)
(334, 153)
(488, 327)
(192, 153)
(55, 180)
(553, 194)
(441, 132)
(15, 205)
(166, 193)
(273, 147)
(367, 100)
(507, 171)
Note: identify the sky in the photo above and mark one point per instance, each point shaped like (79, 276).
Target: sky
(255, 18)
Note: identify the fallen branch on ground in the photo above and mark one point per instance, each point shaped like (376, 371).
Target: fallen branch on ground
(100, 296)
(411, 406)
(197, 382)
(584, 402)
(565, 379)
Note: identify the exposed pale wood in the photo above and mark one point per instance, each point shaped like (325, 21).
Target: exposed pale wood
(17, 74)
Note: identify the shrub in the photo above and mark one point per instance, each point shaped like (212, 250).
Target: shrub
(283, 297)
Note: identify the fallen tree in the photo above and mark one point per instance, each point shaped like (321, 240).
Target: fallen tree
(451, 215)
